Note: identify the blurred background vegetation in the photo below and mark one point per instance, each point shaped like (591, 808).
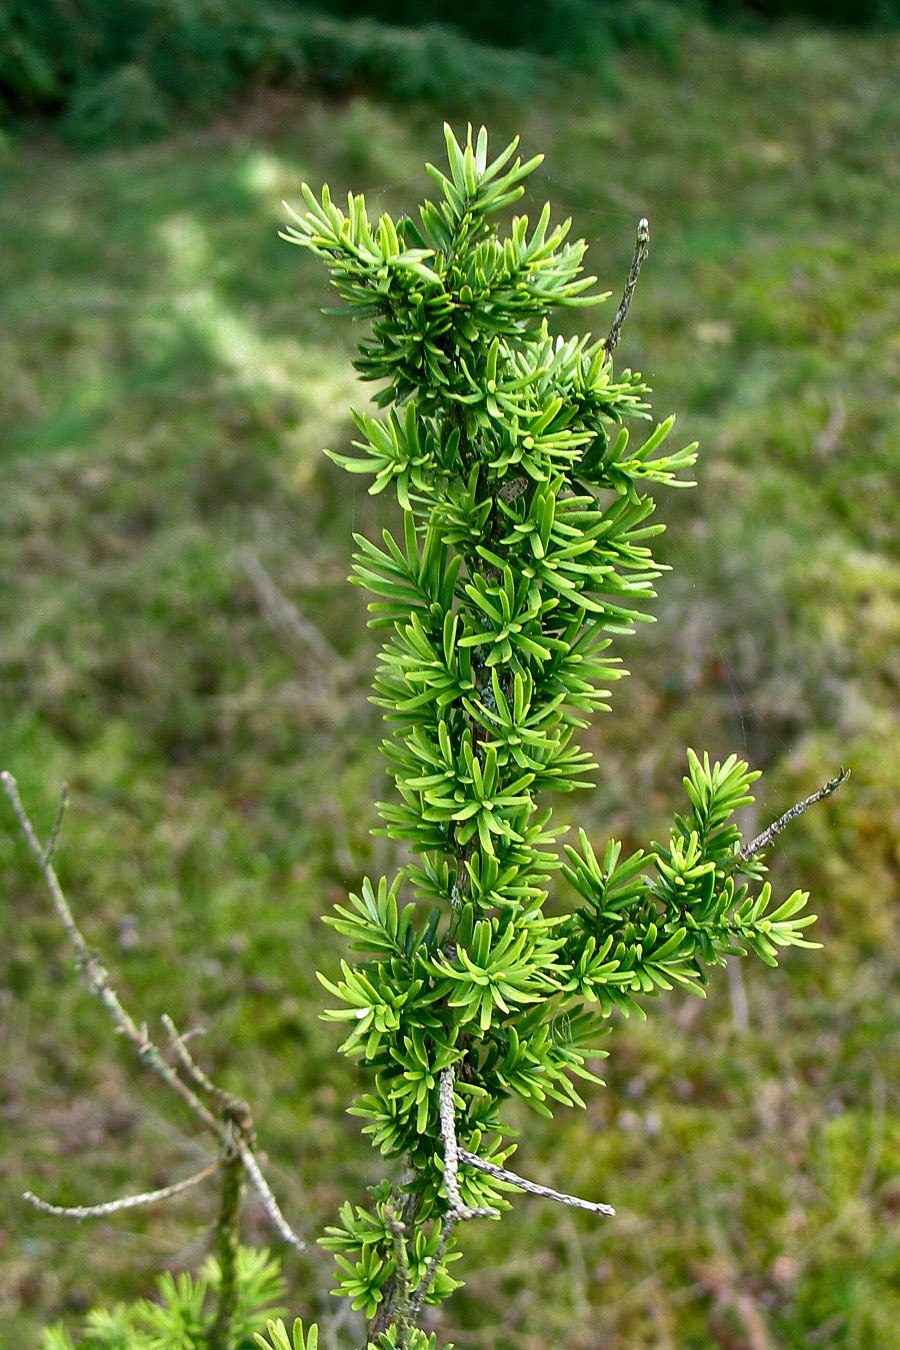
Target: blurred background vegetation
(167, 384)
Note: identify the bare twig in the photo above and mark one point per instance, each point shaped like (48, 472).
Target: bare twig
(457, 1211)
(50, 846)
(284, 615)
(762, 841)
(420, 1293)
(453, 1153)
(233, 1127)
(641, 249)
(270, 1204)
(178, 1042)
(532, 1187)
(126, 1201)
(97, 974)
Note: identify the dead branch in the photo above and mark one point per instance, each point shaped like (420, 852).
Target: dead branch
(533, 1187)
(641, 249)
(233, 1127)
(125, 1201)
(762, 841)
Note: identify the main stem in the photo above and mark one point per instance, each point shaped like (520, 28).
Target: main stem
(221, 1336)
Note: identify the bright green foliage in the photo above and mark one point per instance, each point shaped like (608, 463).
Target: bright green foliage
(298, 1340)
(185, 1312)
(649, 930)
(367, 1236)
(278, 1339)
(525, 550)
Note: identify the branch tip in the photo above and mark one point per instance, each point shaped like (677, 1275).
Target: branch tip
(641, 250)
(762, 841)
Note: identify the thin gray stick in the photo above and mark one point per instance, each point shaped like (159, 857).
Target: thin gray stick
(762, 841)
(452, 1154)
(270, 1204)
(532, 1187)
(420, 1293)
(177, 1041)
(147, 1051)
(126, 1201)
(641, 249)
(457, 1211)
(50, 846)
(97, 975)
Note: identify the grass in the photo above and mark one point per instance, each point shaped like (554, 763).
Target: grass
(168, 383)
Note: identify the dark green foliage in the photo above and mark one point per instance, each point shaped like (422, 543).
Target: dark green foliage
(120, 73)
(123, 73)
(840, 13)
(125, 107)
(579, 30)
(525, 551)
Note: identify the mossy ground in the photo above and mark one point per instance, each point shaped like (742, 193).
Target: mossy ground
(168, 382)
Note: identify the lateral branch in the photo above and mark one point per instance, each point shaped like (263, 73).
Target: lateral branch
(533, 1187)
(125, 1201)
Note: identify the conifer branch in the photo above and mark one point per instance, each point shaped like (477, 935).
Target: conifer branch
(401, 1307)
(762, 841)
(641, 250)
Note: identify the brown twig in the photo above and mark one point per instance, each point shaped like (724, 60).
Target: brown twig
(762, 841)
(284, 616)
(722, 1286)
(641, 249)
